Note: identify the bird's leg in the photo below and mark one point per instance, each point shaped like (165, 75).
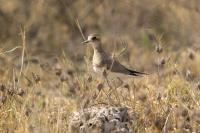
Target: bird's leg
(105, 76)
(100, 82)
(119, 83)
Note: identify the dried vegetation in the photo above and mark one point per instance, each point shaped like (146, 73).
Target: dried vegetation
(45, 72)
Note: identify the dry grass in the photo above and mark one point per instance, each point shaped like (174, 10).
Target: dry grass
(48, 77)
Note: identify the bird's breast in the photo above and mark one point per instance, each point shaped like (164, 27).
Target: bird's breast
(97, 69)
(97, 59)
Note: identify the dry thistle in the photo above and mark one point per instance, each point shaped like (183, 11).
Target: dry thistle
(191, 55)
(70, 73)
(74, 87)
(127, 86)
(159, 97)
(188, 74)
(3, 99)
(167, 108)
(162, 61)
(36, 78)
(63, 77)
(184, 112)
(186, 127)
(147, 110)
(159, 48)
(89, 79)
(85, 103)
(94, 96)
(158, 42)
(28, 111)
(198, 85)
(100, 86)
(20, 92)
(2, 87)
(151, 37)
(35, 60)
(58, 69)
(159, 122)
(105, 74)
(142, 97)
(11, 90)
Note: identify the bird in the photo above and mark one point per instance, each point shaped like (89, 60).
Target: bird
(102, 61)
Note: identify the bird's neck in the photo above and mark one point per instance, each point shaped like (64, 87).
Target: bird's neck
(97, 47)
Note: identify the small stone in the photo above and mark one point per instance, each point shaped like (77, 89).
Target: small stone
(106, 119)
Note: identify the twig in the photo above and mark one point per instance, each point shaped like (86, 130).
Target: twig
(14, 83)
(123, 50)
(11, 50)
(164, 128)
(23, 35)
(79, 27)
(113, 61)
(84, 38)
(30, 82)
(193, 98)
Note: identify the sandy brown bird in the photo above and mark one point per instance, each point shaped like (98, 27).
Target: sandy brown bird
(102, 60)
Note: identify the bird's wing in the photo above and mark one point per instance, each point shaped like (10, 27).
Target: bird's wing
(115, 66)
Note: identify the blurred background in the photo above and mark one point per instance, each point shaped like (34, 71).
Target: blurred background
(50, 25)
(44, 75)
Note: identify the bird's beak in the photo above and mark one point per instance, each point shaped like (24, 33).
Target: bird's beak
(86, 41)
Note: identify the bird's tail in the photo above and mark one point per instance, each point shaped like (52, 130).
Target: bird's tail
(136, 73)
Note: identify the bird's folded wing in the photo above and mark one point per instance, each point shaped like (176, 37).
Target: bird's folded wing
(115, 66)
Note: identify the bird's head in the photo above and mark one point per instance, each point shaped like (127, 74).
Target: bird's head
(93, 39)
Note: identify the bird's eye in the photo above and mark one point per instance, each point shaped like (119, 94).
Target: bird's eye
(94, 38)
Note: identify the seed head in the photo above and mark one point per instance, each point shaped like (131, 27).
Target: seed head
(162, 61)
(159, 122)
(63, 77)
(188, 74)
(198, 85)
(184, 112)
(36, 77)
(2, 99)
(159, 97)
(100, 86)
(20, 92)
(142, 97)
(2, 87)
(127, 86)
(159, 49)
(191, 55)
(70, 73)
(89, 79)
(105, 74)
